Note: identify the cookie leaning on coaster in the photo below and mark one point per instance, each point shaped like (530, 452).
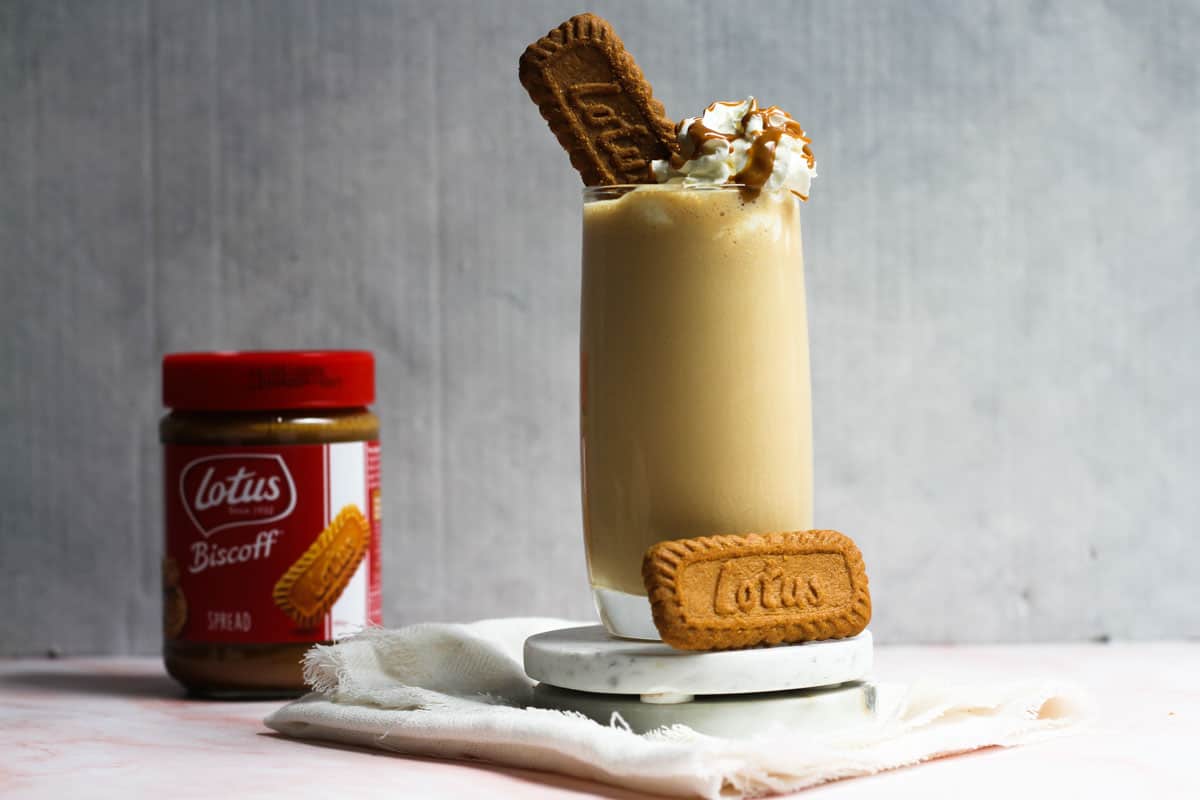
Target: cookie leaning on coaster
(724, 592)
(597, 102)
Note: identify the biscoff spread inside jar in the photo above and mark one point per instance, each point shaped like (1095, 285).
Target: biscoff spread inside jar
(272, 514)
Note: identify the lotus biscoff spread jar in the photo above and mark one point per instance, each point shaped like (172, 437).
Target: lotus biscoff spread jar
(271, 466)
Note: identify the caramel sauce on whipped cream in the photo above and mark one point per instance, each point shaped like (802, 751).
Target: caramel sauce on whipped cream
(736, 142)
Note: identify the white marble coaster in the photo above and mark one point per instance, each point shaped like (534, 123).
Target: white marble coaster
(588, 659)
(732, 716)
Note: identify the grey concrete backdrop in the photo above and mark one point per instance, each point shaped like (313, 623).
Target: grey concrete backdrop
(1002, 263)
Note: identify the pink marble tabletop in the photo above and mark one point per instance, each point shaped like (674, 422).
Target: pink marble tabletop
(120, 728)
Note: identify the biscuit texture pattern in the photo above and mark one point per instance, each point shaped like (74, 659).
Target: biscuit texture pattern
(597, 102)
(735, 591)
(310, 587)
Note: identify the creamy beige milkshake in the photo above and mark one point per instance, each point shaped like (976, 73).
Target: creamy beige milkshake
(696, 410)
(695, 403)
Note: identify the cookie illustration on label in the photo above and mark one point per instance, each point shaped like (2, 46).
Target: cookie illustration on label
(310, 587)
(725, 592)
(170, 572)
(174, 602)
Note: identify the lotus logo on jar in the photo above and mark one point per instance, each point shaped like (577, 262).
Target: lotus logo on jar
(227, 491)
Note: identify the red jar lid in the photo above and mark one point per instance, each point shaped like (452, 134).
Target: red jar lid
(268, 379)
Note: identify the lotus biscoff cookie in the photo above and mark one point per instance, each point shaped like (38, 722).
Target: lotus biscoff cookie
(724, 592)
(595, 99)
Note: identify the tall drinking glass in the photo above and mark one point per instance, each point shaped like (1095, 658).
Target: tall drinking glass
(695, 392)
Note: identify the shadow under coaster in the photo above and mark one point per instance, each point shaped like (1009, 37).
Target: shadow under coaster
(815, 686)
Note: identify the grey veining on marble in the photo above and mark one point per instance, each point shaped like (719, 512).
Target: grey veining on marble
(1001, 264)
(733, 716)
(588, 659)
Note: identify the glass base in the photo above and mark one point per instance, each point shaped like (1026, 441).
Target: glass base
(625, 615)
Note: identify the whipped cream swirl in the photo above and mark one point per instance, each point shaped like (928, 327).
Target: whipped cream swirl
(737, 142)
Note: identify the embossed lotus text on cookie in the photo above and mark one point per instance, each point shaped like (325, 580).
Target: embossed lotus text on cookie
(723, 592)
(310, 587)
(597, 102)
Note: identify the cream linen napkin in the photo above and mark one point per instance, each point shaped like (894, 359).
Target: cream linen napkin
(459, 691)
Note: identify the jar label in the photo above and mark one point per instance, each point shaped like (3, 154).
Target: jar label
(271, 544)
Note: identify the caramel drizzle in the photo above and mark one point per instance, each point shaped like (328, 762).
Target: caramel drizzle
(698, 134)
(760, 161)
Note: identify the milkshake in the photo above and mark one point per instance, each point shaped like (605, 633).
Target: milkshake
(695, 389)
